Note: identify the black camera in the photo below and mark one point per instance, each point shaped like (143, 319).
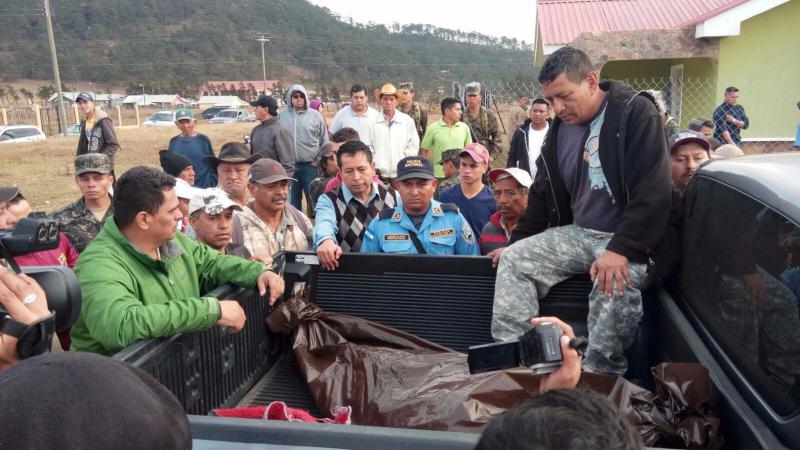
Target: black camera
(58, 282)
(539, 349)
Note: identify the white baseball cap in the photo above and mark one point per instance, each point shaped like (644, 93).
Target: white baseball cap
(522, 176)
(183, 190)
(213, 201)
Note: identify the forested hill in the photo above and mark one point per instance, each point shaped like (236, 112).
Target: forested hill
(178, 44)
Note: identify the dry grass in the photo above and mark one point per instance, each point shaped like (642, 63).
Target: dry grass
(44, 170)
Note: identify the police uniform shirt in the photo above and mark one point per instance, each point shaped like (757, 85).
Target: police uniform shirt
(443, 231)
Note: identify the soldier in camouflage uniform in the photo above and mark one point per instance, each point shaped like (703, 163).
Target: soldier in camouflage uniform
(482, 121)
(82, 219)
(408, 106)
(449, 162)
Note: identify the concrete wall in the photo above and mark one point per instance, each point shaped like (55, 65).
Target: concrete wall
(764, 62)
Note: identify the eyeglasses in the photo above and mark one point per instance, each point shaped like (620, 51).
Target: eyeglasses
(297, 95)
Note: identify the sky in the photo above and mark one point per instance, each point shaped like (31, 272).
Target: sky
(510, 18)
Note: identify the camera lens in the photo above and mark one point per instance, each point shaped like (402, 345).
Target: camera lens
(52, 232)
(41, 234)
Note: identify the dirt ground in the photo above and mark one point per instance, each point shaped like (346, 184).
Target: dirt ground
(45, 173)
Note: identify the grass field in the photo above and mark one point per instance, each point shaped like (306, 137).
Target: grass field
(45, 173)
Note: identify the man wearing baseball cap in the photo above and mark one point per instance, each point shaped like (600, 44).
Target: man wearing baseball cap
(269, 224)
(688, 150)
(450, 162)
(196, 147)
(97, 129)
(211, 217)
(474, 199)
(510, 189)
(420, 224)
(7, 219)
(271, 139)
(82, 219)
(231, 166)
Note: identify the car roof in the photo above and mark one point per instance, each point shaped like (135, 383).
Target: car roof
(771, 179)
(17, 127)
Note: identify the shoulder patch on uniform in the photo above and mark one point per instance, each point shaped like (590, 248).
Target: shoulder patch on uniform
(386, 213)
(437, 211)
(450, 207)
(466, 232)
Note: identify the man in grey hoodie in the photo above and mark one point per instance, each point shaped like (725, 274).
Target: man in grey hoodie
(309, 133)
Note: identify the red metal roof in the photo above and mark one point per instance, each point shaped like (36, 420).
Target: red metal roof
(561, 21)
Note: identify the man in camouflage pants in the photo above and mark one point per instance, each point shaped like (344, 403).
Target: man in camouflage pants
(482, 121)
(600, 204)
(408, 106)
(82, 219)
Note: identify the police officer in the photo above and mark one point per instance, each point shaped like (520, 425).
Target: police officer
(482, 121)
(420, 225)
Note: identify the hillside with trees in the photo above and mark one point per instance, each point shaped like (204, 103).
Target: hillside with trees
(176, 46)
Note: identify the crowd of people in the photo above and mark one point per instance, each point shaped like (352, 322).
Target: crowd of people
(591, 182)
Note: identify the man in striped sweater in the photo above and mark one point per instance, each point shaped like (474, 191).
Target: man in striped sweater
(510, 189)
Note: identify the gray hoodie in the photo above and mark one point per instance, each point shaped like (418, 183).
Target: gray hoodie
(307, 127)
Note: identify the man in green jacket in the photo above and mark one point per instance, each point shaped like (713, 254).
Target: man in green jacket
(140, 279)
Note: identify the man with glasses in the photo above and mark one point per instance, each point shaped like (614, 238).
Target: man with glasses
(309, 133)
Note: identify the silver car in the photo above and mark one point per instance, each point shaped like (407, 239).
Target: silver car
(161, 119)
(233, 115)
(20, 133)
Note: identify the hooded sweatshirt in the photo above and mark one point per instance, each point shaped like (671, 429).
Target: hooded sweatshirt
(306, 126)
(103, 140)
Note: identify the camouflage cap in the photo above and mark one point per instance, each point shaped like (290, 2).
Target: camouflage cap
(212, 201)
(408, 86)
(449, 155)
(92, 162)
(472, 88)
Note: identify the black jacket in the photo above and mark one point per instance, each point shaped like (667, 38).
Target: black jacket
(635, 162)
(518, 150)
(104, 139)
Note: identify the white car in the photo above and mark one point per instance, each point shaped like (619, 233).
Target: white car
(233, 115)
(161, 119)
(20, 133)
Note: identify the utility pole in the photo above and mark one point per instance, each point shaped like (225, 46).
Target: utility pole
(62, 114)
(263, 39)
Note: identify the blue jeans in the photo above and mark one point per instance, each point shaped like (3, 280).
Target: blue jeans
(304, 173)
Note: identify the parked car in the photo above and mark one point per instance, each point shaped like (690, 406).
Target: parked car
(233, 115)
(74, 130)
(209, 113)
(21, 133)
(160, 119)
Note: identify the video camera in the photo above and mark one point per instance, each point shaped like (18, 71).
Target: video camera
(58, 282)
(539, 349)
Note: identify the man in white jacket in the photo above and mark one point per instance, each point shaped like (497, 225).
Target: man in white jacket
(391, 133)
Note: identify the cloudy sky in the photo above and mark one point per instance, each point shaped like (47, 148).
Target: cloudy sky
(510, 18)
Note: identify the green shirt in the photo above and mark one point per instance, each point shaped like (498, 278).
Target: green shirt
(440, 136)
(129, 296)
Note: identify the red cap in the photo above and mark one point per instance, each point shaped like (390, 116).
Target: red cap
(477, 151)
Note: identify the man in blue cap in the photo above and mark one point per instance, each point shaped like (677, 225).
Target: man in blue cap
(420, 225)
(194, 146)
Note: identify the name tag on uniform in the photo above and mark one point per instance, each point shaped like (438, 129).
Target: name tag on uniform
(396, 237)
(444, 232)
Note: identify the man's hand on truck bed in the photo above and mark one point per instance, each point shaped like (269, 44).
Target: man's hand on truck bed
(328, 253)
(272, 281)
(231, 315)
